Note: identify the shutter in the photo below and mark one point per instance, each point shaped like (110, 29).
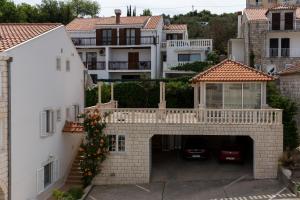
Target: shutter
(40, 180)
(43, 124)
(137, 36)
(122, 36)
(114, 37)
(99, 34)
(55, 170)
(53, 128)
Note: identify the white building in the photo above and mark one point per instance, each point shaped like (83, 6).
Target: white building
(134, 47)
(42, 87)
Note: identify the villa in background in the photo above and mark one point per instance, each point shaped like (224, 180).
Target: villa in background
(268, 35)
(41, 86)
(134, 47)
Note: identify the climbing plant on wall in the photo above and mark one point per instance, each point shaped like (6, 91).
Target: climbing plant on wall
(94, 147)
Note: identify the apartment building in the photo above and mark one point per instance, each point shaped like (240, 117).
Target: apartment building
(134, 47)
(268, 35)
(41, 86)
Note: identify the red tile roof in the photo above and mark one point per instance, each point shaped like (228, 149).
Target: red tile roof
(290, 70)
(89, 24)
(231, 71)
(283, 7)
(73, 127)
(14, 34)
(256, 14)
(175, 27)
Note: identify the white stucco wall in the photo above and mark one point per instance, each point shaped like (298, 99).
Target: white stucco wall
(37, 85)
(237, 50)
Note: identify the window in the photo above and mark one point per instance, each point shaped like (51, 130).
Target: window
(130, 36)
(91, 60)
(289, 21)
(67, 114)
(214, 95)
(58, 115)
(285, 47)
(47, 174)
(233, 96)
(252, 95)
(68, 67)
(107, 37)
(273, 47)
(58, 64)
(275, 21)
(76, 112)
(116, 143)
(47, 123)
(189, 57)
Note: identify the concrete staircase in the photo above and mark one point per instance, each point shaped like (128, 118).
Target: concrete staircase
(75, 174)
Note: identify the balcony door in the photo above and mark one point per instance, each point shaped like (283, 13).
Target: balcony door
(133, 60)
(274, 47)
(91, 60)
(285, 47)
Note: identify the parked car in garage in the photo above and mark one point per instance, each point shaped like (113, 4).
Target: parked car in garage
(195, 148)
(231, 153)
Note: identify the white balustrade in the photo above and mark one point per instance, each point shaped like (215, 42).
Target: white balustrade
(198, 43)
(192, 116)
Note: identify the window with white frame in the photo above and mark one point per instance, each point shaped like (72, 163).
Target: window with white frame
(76, 112)
(58, 64)
(116, 143)
(68, 67)
(47, 174)
(47, 123)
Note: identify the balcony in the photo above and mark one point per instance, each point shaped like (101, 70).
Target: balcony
(205, 44)
(113, 41)
(95, 65)
(285, 52)
(124, 65)
(192, 116)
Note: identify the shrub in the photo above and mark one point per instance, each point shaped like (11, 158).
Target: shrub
(71, 194)
(276, 100)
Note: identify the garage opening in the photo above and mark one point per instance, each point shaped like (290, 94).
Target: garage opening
(191, 158)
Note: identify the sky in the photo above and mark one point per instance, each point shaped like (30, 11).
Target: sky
(165, 6)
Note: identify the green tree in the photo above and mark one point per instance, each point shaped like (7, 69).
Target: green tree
(28, 13)
(85, 7)
(146, 12)
(8, 11)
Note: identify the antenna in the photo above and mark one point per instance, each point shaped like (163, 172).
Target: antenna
(193, 8)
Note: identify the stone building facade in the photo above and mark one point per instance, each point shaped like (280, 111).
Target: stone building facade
(4, 128)
(270, 37)
(134, 165)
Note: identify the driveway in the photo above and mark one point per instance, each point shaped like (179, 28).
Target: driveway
(194, 190)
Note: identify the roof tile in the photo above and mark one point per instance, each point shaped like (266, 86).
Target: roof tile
(256, 14)
(231, 71)
(290, 70)
(73, 127)
(175, 27)
(12, 34)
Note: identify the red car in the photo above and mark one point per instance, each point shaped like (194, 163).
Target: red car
(195, 148)
(231, 153)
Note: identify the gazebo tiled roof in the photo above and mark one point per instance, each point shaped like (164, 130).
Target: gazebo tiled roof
(231, 71)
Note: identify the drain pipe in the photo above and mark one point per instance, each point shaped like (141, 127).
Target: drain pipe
(9, 123)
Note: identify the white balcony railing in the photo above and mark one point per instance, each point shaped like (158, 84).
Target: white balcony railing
(200, 43)
(193, 116)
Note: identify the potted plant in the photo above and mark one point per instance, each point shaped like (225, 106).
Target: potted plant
(298, 189)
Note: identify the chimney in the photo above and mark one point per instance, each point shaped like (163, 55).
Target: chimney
(118, 15)
(239, 25)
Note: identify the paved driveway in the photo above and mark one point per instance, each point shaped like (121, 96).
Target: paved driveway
(194, 190)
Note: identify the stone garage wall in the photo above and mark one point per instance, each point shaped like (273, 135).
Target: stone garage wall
(134, 165)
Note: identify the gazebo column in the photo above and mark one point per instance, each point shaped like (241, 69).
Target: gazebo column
(100, 92)
(202, 103)
(162, 95)
(196, 95)
(264, 95)
(111, 91)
